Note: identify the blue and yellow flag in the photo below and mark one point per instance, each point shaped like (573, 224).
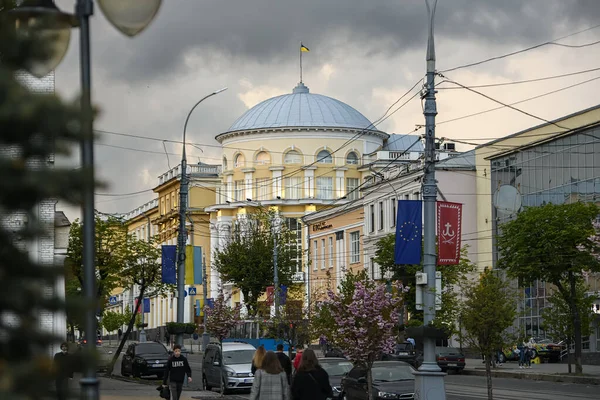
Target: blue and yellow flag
(193, 265)
(303, 48)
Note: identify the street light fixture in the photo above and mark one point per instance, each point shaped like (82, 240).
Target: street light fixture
(130, 17)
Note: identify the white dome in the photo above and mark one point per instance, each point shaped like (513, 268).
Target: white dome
(301, 109)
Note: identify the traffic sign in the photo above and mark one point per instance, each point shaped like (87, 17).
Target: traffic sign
(185, 293)
(112, 300)
(192, 290)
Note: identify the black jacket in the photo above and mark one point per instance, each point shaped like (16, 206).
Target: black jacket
(63, 363)
(177, 367)
(286, 364)
(311, 385)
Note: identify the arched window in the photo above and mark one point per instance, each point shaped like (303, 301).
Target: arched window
(324, 157)
(292, 157)
(352, 158)
(224, 163)
(263, 158)
(239, 160)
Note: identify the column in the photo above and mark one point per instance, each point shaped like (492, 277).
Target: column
(309, 183)
(229, 189)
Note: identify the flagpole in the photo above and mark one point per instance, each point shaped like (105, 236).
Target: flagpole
(300, 62)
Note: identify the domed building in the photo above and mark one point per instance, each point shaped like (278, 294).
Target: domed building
(297, 153)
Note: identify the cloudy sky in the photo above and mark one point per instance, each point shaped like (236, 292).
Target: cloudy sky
(366, 53)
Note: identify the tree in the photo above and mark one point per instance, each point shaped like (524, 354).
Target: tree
(291, 326)
(112, 321)
(246, 260)
(221, 318)
(34, 128)
(452, 276)
(366, 318)
(488, 311)
(141, 267)
(557, 316)
(553, 243)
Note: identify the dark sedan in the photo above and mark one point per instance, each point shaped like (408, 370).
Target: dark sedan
(449, 358)
(391, 380)
(142, 359)
(402, 352)
(336, 368)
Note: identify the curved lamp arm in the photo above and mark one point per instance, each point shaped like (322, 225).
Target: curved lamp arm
(192, 110)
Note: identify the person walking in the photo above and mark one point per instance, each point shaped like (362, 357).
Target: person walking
(311, 382)
(521, 349)
(298, 357)
(258, 358)
(63, 365)
(285, 362)
(270, 381)
(528, 353)
(177, 368)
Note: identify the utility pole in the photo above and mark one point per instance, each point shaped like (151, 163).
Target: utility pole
(205, 334)
(275, 272)
(429, 382)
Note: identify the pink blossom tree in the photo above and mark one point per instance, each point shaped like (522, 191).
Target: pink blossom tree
(221, 318)
(366, 321)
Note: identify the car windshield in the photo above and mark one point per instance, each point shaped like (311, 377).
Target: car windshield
(150, 348)
(238, 357)
(392, 373)
(404, 347)
(337, 368)
(447, 350)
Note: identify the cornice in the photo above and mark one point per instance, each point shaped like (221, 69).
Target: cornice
(229, 135)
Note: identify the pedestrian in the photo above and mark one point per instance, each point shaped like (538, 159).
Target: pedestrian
(285, 362)
(298, 356)
(177, 368)
(63, 365)
(311, 382)
(270, 382)
(522, 349)
(528, 354)
(257, 360)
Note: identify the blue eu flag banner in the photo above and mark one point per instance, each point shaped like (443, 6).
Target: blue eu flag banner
(409, 228)
(169, 255)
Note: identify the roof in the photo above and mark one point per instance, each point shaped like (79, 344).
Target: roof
(397, 142)
(60, 219)
(464, 160)
(301, 109)
(232, 346)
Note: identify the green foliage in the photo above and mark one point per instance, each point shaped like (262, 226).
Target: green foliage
(557, 317)
(33, 127)
(174, 328)
(452, 276)
(488, 311)
(111, 321)
(247, 259)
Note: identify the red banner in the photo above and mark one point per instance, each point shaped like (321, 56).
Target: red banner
(135, 305)
(270, 295)
(449, 224)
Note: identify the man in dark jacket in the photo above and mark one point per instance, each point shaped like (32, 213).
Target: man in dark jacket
(63, 365)
(285, 362)
(177, 368)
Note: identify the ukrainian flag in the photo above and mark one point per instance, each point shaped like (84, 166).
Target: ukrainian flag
(193, 265)
(303, 48)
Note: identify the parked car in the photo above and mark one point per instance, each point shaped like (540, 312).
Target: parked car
(544, 348)
(143, 359)
(334, 352)
(449, 359)
(402, 352)
(337, 368)
(391, 380)
(232, 368)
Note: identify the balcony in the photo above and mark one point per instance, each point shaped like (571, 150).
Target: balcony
(194, 170)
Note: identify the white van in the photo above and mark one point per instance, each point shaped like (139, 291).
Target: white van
(232, 369)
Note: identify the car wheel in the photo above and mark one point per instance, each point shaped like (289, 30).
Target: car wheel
(123, 373)
(205, 383)
(224, 386)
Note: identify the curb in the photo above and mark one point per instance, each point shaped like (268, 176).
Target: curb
(584, 380)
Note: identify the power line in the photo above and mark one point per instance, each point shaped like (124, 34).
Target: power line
(123, 194)
(551, 42)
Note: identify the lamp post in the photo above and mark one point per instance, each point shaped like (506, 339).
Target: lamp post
(130, 17)
(181, 237)
(429, 382)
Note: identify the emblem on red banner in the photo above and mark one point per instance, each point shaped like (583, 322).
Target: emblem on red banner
(449, 217)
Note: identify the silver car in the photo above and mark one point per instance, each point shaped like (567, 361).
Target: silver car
(229, 365)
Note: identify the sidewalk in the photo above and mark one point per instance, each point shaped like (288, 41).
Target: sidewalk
(552, 372)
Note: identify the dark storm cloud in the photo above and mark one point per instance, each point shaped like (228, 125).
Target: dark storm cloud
(269, 31)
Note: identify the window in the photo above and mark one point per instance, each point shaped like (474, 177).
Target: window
(263, 186)
(352, 158)
(224, 163)
(293, 188)
(372, 218)
(352, 188)
(292, 157)
(322, 253)
(263, 158)
(324, 157)
(407, 197)
(315, 255)
(354, 247)
(325, 187)
(330, 254)
(394, 205)
(295, 227)
(380, 215)
(238, 194)
(240, 161)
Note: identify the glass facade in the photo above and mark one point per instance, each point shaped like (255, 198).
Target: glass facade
(560, 171)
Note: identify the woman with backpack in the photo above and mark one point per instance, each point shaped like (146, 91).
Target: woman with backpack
(311, 382)
(270, 380)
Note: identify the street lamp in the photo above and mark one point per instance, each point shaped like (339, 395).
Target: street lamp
(130, 17)
(181, 237)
